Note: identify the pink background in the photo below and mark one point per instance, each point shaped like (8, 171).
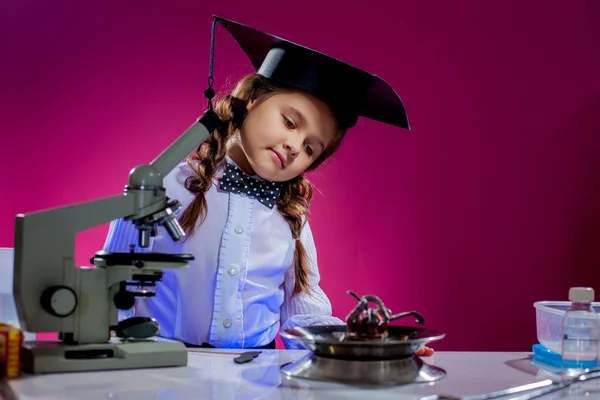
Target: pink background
(490, 203)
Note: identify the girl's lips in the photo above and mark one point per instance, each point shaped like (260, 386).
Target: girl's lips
(278, 157)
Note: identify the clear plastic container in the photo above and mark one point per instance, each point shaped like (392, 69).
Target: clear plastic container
(549, 318)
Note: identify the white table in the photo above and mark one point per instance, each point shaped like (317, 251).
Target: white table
(212, 375)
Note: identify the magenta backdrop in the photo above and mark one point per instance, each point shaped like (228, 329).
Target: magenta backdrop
(490, 203)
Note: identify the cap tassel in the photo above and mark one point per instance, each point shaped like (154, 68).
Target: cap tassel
(209, 93)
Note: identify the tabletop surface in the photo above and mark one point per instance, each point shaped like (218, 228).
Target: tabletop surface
(212, 374)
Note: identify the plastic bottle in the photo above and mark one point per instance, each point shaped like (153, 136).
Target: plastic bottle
(580, 331)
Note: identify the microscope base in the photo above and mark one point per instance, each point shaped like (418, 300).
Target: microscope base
(39, 357)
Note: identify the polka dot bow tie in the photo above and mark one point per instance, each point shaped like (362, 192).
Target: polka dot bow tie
(236, 181)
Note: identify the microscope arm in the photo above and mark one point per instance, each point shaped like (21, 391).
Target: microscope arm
(195, 135)
(147, 181)
(149, 178)
(44, 253)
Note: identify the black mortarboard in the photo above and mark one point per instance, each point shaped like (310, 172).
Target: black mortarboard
(349, 91)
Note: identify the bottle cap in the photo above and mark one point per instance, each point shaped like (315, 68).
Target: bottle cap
(581, 294)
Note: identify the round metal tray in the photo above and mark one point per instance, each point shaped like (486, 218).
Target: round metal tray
(332, 341)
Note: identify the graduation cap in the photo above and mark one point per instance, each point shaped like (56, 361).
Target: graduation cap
(349, 91)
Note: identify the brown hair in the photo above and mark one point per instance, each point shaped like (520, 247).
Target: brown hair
(296, 194)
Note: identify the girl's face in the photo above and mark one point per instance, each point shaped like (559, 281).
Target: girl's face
(284, 134)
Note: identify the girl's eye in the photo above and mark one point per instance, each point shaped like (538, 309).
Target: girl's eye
(309, 149)
(289, 123)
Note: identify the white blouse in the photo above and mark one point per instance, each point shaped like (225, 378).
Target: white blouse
(236, 293)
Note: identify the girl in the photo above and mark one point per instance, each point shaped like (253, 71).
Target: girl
(245, 199)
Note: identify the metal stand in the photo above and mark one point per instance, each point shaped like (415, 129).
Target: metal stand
(364, 373)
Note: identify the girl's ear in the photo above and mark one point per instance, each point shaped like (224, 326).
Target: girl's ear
(250, 104)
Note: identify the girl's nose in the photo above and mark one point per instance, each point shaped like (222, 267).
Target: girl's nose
(291, 149)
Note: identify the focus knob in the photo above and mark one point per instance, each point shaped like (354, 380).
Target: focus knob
(59, 301)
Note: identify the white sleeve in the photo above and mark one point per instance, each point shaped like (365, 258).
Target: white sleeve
(121, 234)
(305, 309)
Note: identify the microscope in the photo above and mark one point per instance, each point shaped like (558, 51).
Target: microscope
(81, 304)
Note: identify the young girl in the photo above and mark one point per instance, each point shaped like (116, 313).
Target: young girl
(245, 199)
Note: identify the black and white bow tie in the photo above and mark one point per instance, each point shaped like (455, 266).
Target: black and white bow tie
(236, 181)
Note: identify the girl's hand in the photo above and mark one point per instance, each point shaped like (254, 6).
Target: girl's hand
(425, 351)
